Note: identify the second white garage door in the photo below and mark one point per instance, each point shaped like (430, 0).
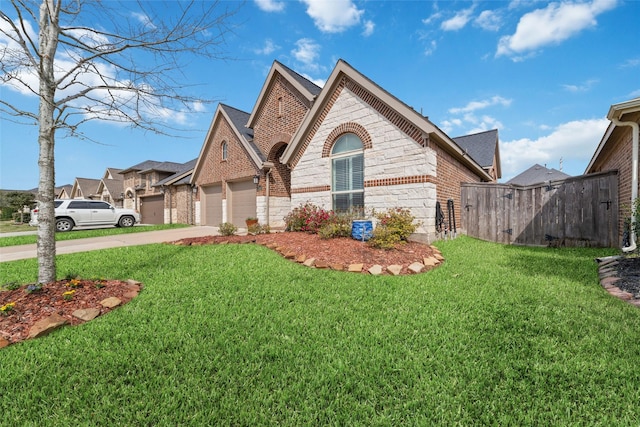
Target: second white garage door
(241, 200)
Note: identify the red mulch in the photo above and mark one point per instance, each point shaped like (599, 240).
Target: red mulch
(340, 251)
(32, 307)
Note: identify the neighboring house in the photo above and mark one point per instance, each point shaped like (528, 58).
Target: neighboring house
(63, 192)
(85, 188)
(348, 146)
(537, 174)
(141, 192)
(618, 150)
(111, 188)
(483, 147)
(179, 195)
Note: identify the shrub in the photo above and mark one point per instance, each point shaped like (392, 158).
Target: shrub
(259, 229)
(339, 227)
(394, 226)
(308, 218)
(227, 229)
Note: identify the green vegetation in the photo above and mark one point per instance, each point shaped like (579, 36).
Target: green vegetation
(498, 335)
(82, 234)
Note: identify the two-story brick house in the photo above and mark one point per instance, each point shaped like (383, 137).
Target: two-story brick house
(348, 146)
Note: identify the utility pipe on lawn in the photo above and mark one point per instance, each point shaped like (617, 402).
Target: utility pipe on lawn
(634, 179)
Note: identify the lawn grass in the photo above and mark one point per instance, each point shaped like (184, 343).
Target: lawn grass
(83, 234)
(236, 335)
(11, 226)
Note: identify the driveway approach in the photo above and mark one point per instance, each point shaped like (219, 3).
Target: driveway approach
(12, 253)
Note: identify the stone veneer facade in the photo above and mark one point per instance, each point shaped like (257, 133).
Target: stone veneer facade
(398, 172)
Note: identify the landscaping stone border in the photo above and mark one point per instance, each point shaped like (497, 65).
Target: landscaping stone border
(608, 275)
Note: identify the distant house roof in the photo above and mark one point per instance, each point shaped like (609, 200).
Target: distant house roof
(482, 147)
(85, 188)
(537, 174)
(180, 177)
(163, 167)
(140, 166)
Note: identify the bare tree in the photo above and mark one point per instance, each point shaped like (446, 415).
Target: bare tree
(127, 68)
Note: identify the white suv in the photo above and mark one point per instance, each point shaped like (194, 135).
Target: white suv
(74, 212)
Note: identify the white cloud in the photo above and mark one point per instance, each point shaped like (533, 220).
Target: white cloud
(270, 5)
(479, 105)
(584, 87)
(144, 19)
(307, 52)
(428, 51)
(489, 20)
(435, 16)
(458, 21)
(333, 16)
(268, 48)
(369, 26)
(575, 141)
(551, 25)
(631, 63)
(317, 82)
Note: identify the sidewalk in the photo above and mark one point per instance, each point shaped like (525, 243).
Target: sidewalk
(13, 253)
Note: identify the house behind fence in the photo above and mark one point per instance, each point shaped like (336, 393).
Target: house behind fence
(579, 211)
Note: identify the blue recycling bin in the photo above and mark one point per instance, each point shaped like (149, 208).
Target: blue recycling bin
(362, 230)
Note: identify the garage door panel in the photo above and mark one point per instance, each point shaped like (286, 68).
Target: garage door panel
(243, 201)
(212, 206)
(152, 210)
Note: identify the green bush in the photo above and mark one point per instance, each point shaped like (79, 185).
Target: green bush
(259, 229)
(339, 227)
(394, 226)
(227, 229)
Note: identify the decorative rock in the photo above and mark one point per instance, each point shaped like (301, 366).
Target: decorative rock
(321, 264)
(130, 295)
(290, 255)
(337, 267)
(375, 270)
(86, 314)
(309, 262)
(416, 267)
(394, 269)
(46, 325)
(301, 258)
(635, 302)
(430, 262)
(4, 343)
(355, 268)
(110, 302)
(609, 281)
(438, 256)
(134, 282)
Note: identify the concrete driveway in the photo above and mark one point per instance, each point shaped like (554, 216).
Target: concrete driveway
(12, 253)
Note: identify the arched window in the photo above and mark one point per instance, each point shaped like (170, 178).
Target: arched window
(347, 174)
(224, 150)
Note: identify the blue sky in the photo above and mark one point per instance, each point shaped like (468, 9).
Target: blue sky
(543, 73)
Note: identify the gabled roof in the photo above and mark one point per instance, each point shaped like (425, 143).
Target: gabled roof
(537, 174)
(162, 167)
(422, 123)
(184, 173)
(482, 147)
(140, 166)
(86, 186)
(112, 173)
(616, 111)
(307, 88)
(236, 120)
(113, 186)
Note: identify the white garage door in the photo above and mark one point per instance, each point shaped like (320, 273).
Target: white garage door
(242, 202)
(211, 208)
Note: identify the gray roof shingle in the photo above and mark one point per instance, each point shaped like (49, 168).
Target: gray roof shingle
(537, 174)
(480, 146)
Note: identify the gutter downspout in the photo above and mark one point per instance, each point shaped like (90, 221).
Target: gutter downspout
(634, 179)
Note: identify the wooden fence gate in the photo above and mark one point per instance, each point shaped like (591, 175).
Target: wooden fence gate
(579, 211)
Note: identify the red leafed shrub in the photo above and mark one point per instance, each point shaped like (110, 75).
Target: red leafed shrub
(308, 218)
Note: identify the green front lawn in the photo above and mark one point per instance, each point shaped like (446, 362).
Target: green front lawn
(236, 335)
(83, 234)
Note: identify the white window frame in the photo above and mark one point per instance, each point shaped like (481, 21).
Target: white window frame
(343, 155)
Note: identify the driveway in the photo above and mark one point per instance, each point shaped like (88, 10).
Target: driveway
(13, 253)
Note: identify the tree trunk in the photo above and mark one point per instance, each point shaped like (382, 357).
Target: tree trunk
(48, 43)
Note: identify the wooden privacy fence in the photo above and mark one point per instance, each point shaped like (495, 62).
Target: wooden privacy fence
(579, 211)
